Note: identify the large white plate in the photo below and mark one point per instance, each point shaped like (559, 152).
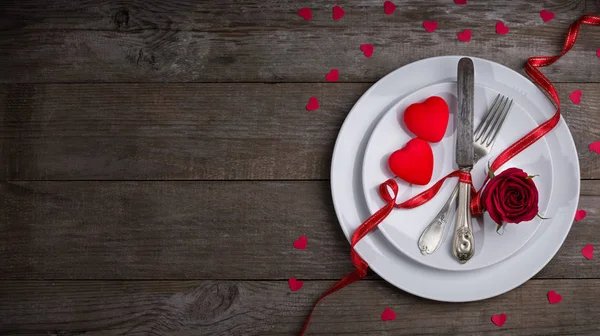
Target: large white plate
(404, 226)
(402, 271)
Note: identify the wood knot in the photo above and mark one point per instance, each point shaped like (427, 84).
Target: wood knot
(122, 19)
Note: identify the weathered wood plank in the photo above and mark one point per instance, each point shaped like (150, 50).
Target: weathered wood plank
(189, 230)
(269, 308)
(266, 41)
(199, 131)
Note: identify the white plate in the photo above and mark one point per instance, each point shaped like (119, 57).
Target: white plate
(404, 226)
(402, 271)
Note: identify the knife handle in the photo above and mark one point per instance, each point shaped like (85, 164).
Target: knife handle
(463, 244)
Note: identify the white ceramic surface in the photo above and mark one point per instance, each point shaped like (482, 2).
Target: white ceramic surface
(399, 269)
(404, 226)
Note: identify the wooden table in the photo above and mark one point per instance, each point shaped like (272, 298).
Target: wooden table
(158, 162)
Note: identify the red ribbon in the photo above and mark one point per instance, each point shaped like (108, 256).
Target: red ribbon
(371, 223)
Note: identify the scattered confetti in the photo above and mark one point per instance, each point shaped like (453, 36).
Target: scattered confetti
(595, 147)
(499, 319)
(389, 7)
(300, 243)
(575, 97)
(430, 26)
(338, 12)
(388, 315)
(294, 284)
(306, 13)
(546, 15)
(367, 50)
(333, 75)
(580, 215)
(465, 35)
(588, 251)
(460, 2)
(313, 104)
(554, 297)
(501, 29)
(598, 52)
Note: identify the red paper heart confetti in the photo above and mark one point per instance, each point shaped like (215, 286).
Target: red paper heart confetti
(598, 52)
(499, 319)
(367, 50)
(313, 104)
(300, 243)
(428, 120)
(580, 215)
(595, 147)
(333, 75)
(546, 15)
(465, 35)
(554, 297)
(588, 251)
(294, 284)
(575, 97)
(338, 12)
(388, 315)
(413, 163)
(501, 29)
(389, 7)
(430, 26)
(460, 2)
(306, 13)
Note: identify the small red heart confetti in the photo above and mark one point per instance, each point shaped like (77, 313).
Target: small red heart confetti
(575, 97)
(300, 243)
(333, 75)
(389, 7)
(546, 15)
(294, 284)
(430, 26)
(499, 319)
(588, 251)
(367, 50)
(598, 52)
(338, 12)
(388, 315)
(501, 29)
(306, 13)
(595, 147)
(465, 35)
(580, 215)
(460, 2)
(554, 297)
(313, 104)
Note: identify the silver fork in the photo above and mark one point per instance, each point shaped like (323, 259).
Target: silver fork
(484, 138)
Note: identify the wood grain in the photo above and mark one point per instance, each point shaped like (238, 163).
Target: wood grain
(199, 131)
(269, 308)
(200, 230)
(266, 41)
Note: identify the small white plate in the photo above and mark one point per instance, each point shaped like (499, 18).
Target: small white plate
(404, 226)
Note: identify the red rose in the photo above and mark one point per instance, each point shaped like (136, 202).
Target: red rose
(511, 197)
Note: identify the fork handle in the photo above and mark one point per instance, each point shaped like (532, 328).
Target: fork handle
(463, 244)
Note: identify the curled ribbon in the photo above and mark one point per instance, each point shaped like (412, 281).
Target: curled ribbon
(371, 223)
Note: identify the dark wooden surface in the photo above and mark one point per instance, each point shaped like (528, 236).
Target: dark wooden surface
(158, 163)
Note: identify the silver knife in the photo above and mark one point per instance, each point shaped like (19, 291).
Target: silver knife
(463, 244)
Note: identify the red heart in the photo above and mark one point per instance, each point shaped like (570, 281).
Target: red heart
(546, 15)
(389, 7)
(499, 319)
(388, 315)
(306, 13)
(595, 147)
(460, 2)
(313, 104)
(300, 243)
(338, 12)
(580, 215)
(430, 26)
(598, 52)
(575, 97)
(413, 163)
(501, 29)
(333, 75)
(554, 297)
(588, 251)
(465, 35)
(367, 50)
(428, 120)
(295, 284)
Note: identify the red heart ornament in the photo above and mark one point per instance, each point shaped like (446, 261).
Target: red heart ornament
(595, 147)
(338, 12)
(430, 26)
(501, 29)
(367, 50)
(460, 2)
(546, 15)
(499, 319)
(306, 13)
(313, 104)
(428, 120)
(580, 215)
(388, 315)
(294, 284)
(465, 35)
(575, 97)
(301, 243)
(413, 163)
(588, 251)
(389, 7)
(333, 75)
(554, 297)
